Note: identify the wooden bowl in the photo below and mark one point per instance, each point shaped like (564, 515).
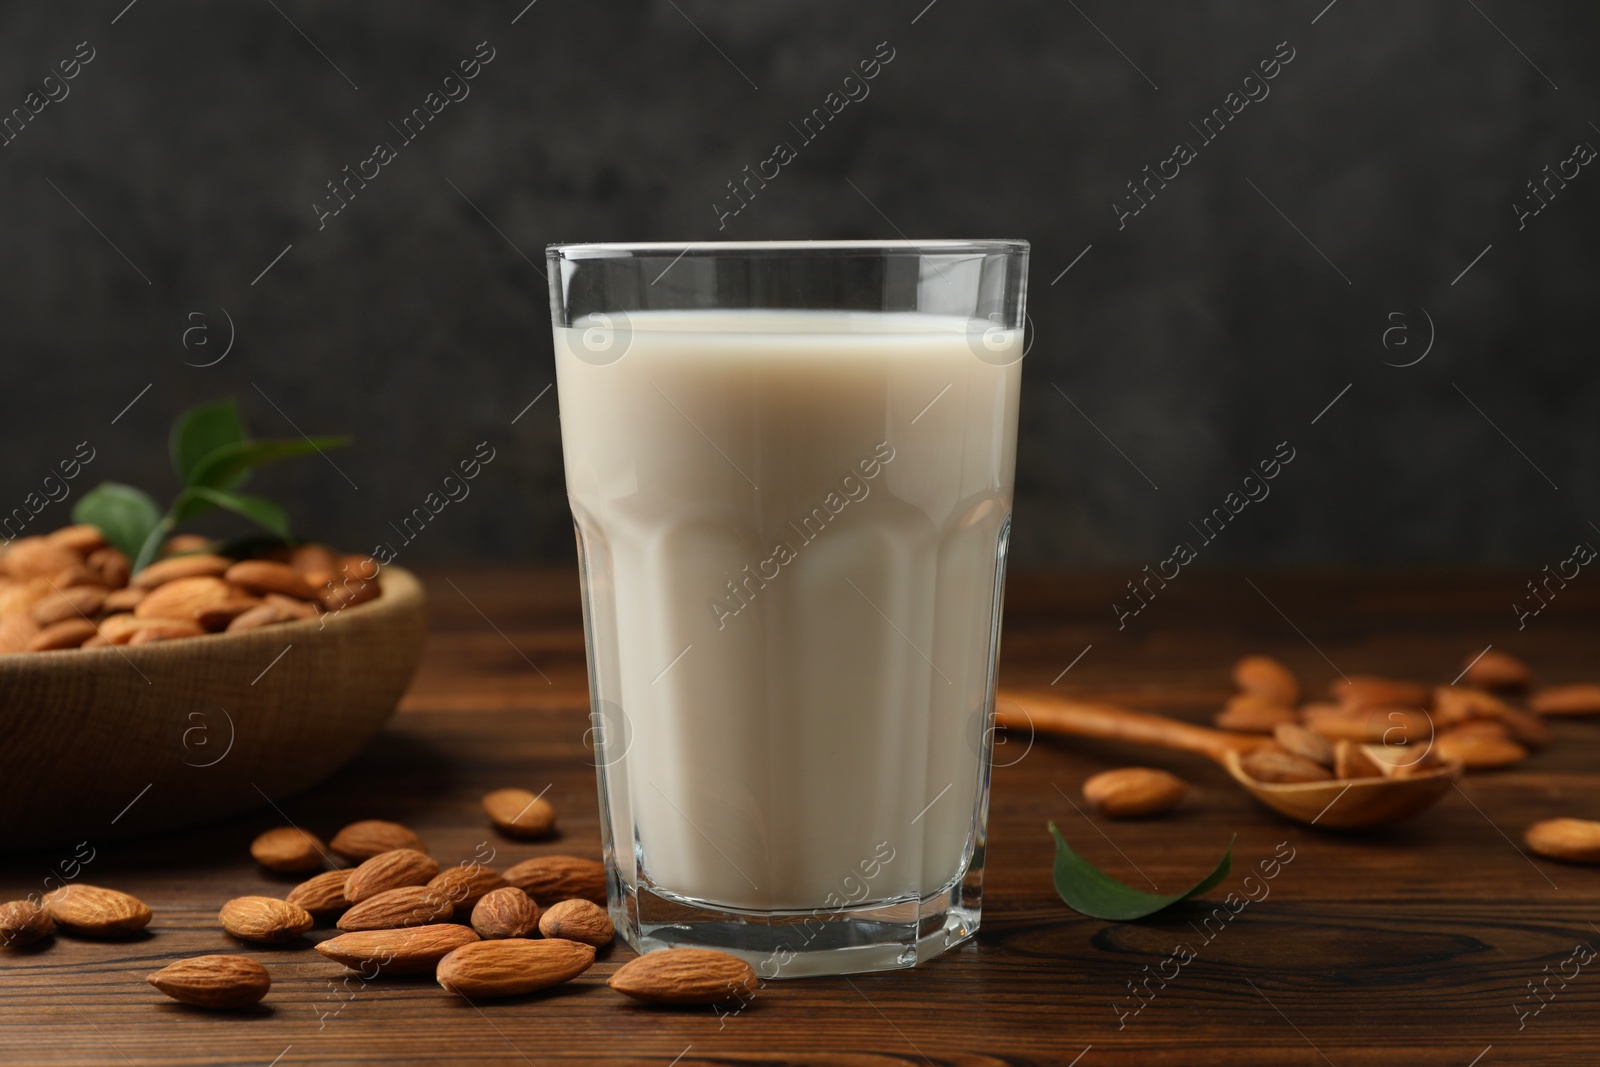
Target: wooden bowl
(104, 743)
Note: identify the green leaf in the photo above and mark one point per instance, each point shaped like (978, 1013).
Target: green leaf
(222, 468)
(198, 499)
(202, 430)
(152, 544)
(1088, 889)
(124, 514)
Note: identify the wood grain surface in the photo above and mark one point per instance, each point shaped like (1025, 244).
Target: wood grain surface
(1415, 945)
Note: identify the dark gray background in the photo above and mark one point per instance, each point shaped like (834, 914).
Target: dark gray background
(1195, 339)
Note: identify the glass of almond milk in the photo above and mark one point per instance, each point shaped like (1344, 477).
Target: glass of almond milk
(790, 468)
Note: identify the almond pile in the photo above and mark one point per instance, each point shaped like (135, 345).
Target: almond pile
(480, 932)
(70, 589)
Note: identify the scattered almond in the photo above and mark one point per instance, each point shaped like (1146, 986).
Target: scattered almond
(520, 813)
(1133, 792)
(1477, 748)
(96, 911)
(1252, 713)
(1573, 840)
(370, 837)
(507, 912)
(390, 870)
(22, 922)
(578, 920)
(213, 981)
(549, 879)
(264, 919)
(288, 849)
(323, 894)
(414, 950)
(512, 967)
(412, 905)
(1497, 670)
(686, 976)
(1267, 678)
(1580, 699)
(1272, 764)
(1305, 743)
(466, 884)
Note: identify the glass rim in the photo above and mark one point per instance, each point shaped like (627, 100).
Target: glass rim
(620, 249)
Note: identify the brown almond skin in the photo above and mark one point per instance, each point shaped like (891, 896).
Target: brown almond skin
(1305, 743)
(95, 911)
(389, 870)
(551, 879)
(578, 920)
(1571, 840)
(520, 813)
(183, 598)
(68, 633)
(1133, 792)
(371, 837)
(412, 905)
(466, 884)
(262, 576)
(686, 976)
(255, 618)
(1276, 766)
(38, 557)
(413, 950)
(82, 538)
(1497, 670)
(123, 600)
(1477, 748)
(507, 912)
(217, 616)
(322, 895)
(111, 566)
(22, 922)
(168, 570)
(216, 982)
(1580, 699)
(155, 630)
(1369, 690)
(1350, 760)
(1251, 713)
(1267, 678)
(266, 920)
(512, 967)
(289, 849)
(77, 602)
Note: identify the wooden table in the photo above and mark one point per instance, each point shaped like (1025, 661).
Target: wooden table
(1416, 945)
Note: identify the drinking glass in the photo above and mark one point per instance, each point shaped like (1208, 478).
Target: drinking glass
(790, 470)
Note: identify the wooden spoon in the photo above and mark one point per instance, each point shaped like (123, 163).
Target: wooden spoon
(1344, 805)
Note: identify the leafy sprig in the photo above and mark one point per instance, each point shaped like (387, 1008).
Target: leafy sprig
(1088, 889)
(214, 457)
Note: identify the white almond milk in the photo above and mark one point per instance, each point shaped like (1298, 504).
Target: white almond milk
(790, 523)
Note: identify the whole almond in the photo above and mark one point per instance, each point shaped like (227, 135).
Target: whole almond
(37, 557)
(22, 922)
(1573, 840)
(256, 617)
(111, 566)
(217, 616)
(186, 542)
(507, 912)
(168, 570)
(264, 919)
(76, 602)
(183, 598)
(1266, 677)
(213, 981)
(1497, 670)
(261, 576)
(414, 950)
(75, 575)
(294, 609)
(412, 905)
(370, 837)
(686, 976)
(1277, 766)
(466, 884)
(549, 879)
(1478, 748)
(520, 813)
(512, 967)
(1133, 792)
(82, 538)
(1350, 760)
(1376, 725)
(1367, 690)
(389, 870)
(323, 894)
(311, 557)
(96, 911)
(1303, 742)
(17, 631)
(68, 633)
(155, 630)
(578, 920)
(1580, 699)
(289, 849)
(120, 600)
(1252, 713)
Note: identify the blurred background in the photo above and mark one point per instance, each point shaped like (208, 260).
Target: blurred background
(1356, 264)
